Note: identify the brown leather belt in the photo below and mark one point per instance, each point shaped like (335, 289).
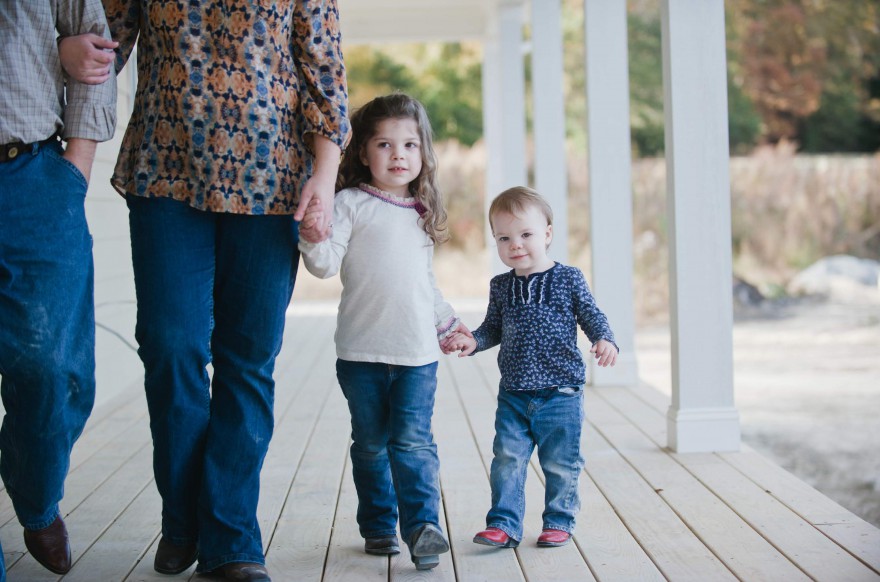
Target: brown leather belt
(10, 151)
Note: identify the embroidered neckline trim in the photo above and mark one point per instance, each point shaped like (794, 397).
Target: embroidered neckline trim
(408, 202)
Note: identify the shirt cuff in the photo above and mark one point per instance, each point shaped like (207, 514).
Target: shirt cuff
(89, 121)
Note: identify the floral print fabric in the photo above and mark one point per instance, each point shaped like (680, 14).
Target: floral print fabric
(229, 95)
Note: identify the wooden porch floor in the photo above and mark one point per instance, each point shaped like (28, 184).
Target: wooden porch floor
(646, 514)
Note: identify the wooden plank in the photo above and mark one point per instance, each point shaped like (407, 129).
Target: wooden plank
(733, 541)
(143, 570)
(302, 390)
(854, 534)
(564, 563)
(301, 537)
(858, 537)
(673, 547)
(346, 559)
(803, 544)
(88, 521)
(606, 543)
(466, 488)
(81, 484)
(125, 543)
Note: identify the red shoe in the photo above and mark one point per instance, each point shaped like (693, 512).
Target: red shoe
(496, 538)
(553, 538)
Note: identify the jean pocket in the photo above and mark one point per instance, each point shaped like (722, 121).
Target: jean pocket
(71, 167)
(569, 390)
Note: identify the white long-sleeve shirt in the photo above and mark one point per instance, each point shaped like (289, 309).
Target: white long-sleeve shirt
(391, 310)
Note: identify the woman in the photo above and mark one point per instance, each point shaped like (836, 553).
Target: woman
(239, 119)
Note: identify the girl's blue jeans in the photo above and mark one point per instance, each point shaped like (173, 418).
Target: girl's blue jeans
(393, 454)
(550, 419)
(211, 288)
(47, 328)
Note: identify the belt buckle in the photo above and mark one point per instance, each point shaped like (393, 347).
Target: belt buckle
(12, 153)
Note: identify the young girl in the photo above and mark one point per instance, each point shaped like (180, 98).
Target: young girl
(534, 312)
(386, 220)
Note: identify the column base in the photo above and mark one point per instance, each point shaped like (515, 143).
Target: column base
(703, 430)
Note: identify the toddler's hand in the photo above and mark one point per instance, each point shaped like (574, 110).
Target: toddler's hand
(87, 58)
(605, 352)
(461, 343)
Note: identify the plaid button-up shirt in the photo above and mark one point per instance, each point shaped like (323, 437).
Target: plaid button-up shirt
(33, 105)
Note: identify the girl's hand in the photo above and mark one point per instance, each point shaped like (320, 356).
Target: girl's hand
(309, 229)
(87, 58)
(446, 345)
(322, 184)
(605, 352)
(461, 343)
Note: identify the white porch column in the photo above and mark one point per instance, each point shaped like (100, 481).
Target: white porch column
(551, 179)
(504, 107)
(702, 416)
(608, 131)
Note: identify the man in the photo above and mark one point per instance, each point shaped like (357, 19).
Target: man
(47, 322)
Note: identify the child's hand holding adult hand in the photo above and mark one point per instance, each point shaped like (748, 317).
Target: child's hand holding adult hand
(605, 352)
(309, 227)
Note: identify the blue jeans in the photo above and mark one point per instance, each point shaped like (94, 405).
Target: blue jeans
(550, 419)
(211, 288)
(47, 327)
(393, 455)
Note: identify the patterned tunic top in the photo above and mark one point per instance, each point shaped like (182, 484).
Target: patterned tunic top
(229, 94)
(535, 320)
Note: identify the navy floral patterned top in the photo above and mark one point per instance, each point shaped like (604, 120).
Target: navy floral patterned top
(230, 93)
(535, 320)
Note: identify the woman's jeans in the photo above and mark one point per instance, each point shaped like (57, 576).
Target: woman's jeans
(393, 456)
(550, 419)
(211, 288)
(47, 327)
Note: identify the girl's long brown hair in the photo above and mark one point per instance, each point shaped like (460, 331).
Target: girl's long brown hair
(353, 172)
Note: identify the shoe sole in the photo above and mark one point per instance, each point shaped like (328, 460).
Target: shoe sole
(510, 543)
(430, 542)
(426, 562)
(553, 544)
(390, 551)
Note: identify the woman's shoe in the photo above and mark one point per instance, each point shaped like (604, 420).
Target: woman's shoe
(426, 545)
(171, 559)
(492, 536)
(382, 546)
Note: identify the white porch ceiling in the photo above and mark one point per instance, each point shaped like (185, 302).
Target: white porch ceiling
(383, 21)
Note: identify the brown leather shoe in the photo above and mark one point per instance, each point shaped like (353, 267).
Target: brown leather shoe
(244, 572)
(382, 546)
(171, 559)
(50, 546)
